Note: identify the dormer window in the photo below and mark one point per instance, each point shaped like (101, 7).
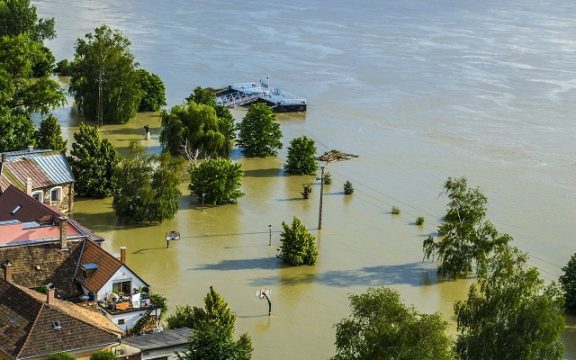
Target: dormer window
(16, 209)
(56, 325)
(38, 195)
(88, 269)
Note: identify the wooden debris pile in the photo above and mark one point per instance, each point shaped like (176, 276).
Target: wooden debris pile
(335, 155)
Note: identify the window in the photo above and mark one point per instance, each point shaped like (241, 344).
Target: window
(121, 321)
(122, 287)
(38, 195)
(56, 194)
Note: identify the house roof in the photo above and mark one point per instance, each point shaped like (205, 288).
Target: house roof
(12, 233)
(45, 168)
(159, 340)
(107, 266)
(42, 264)
(28, 327)
(33, 210)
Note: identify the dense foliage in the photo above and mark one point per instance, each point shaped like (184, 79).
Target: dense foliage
(348, 188)
(64, 67)
(298, 246)
(510, 314)
(568, 283)
(217, 180)
(19, 17)
(17, 131)
(382, 327)
(61, 356)
(193, 127)
(93, 161)
(103, 59)
(259, 132)
(152, 91)
(146, 189)
(212, 335)
(49, 135)
(301, 157)
(466, 238)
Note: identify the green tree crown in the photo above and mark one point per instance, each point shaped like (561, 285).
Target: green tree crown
(298, 246)
(103, 355)
(218, 180)
(301, 157)
(153, 91)
(259, 132)
(49, 135)
(568, 283)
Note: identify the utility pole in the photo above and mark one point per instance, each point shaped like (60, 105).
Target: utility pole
(100, 110)
(270, 238)
(321, 193)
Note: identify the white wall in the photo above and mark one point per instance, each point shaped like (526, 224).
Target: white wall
(121, 274)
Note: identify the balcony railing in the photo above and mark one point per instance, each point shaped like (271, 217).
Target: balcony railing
(125, 305)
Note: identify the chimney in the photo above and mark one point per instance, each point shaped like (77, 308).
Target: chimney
(4, 157)
(30, 148)
(8, 271)
(123, 254)
(63, 224)
(50, 294)
(29, 186)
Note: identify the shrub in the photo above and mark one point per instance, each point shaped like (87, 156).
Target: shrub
(420, 220)
(61, 356)
(348, 188)
(298, 246)
(395, 210)
(103, 355)
(327, 178)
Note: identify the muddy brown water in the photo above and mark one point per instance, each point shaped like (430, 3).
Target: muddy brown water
(421, 91)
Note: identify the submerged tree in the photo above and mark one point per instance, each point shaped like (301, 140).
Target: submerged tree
(382, 327)
(259, 132)
(103, 60)
(49, 135)
(152, 91)
(212, 335)
(217, 181)
(93, 162)
(298, 245)
(510, 314)
(466, 238)
(301, 157)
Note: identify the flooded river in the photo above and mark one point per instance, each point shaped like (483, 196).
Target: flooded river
(421, 90)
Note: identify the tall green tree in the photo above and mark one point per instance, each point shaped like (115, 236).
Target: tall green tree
(259, 132)
(226, 120)
(301, 157)
(19, 17)
(146, 189)
(16, 129)
(216, 180)
(93, 161)
(20, 90)
(466, 238)
(212, 335)
(103, 58)
(510, 314)
(298, 246)
(568, 283)
(153, 91)
(193, 127)
(382, 327)
(49, 135)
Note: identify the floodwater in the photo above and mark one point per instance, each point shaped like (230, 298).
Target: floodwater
(421, 90)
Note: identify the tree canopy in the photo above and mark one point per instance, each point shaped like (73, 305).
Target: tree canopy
(17, 131)
(217, 180)
(568, 283)
(382, 327)
(146, 190)
(103, 58)
(510, 314)
(93, 161)
(49, 135)
(212, 335)
(153, 91)
(259, 132)
(19, 17)
(466, 238)
(301, 157)
(298, 246)
(103, 355)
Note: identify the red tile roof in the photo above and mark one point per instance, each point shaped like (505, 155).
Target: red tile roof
(20, 233)
(28, 327)
(107, 266)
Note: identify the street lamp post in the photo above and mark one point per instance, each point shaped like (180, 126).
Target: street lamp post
(270, 238)
(203, 195)
(321, 194)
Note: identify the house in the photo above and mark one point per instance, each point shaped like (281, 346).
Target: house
(33, 326)
(155, 346)
(46, 249)
(43, 174)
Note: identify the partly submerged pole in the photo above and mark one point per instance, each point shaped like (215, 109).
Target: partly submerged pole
(321, 193)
